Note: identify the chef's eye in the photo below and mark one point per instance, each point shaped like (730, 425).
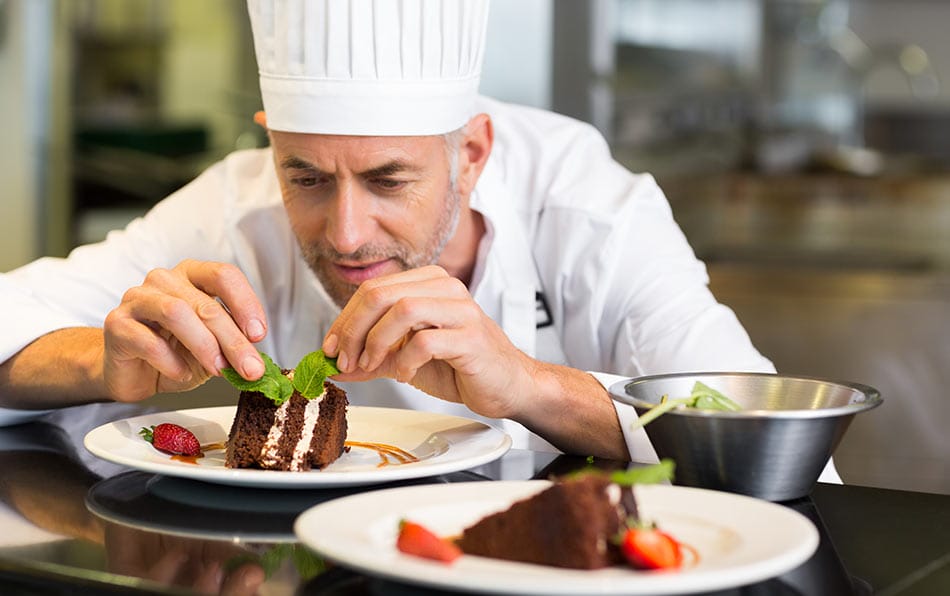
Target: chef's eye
(389, 183)
(305, 182)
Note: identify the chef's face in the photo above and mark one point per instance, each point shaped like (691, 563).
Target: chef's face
(362, 207)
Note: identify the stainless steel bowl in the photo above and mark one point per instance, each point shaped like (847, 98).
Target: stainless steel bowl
(774, 448)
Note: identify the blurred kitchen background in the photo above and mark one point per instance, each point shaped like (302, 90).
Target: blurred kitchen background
(803, 145)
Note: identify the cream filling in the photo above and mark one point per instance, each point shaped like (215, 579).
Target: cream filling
(613, 493)
(269, 451)
(310, 415)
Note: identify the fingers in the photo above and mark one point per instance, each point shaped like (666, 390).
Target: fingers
(181, 326)
(409, 318)
(245, 580)
(211, 309)
(229, 284)
(129, 340)
(167, 567)
(378, 298)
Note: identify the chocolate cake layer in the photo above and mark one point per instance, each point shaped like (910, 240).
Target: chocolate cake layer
(571, 524)
(298, 435)
(328, 439)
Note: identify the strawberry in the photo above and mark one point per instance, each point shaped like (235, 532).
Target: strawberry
(172, 438)
(646, 547)
(415, 539)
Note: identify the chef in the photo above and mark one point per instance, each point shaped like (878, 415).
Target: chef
(455, 253)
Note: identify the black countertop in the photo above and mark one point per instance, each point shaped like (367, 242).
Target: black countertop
(71, 526)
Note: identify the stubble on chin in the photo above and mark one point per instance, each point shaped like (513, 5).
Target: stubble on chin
(321, 258)
(321, 261)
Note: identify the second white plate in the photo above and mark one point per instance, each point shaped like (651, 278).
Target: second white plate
(442, 444)
(739, 540)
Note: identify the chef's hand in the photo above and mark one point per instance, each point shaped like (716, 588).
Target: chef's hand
(204, 566)
(423, 327)
(180, 327)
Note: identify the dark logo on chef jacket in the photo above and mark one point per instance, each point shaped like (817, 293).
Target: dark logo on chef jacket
(542, 314)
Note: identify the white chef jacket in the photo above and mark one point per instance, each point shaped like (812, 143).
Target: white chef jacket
(582, 264)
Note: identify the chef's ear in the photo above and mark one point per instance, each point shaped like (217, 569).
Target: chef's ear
(474, 151)
(260, 118)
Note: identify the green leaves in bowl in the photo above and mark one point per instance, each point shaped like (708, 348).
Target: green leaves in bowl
(702, 397)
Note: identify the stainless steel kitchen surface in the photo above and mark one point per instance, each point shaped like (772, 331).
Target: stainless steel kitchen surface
(844, 278)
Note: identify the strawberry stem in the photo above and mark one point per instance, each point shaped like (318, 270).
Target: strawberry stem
(147, 433)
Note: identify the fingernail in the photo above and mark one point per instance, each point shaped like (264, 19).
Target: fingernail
(341, 362)
(253, 368)
(330, 344)
(217, 572)
(255, 329)
(220, 362)
(364, 360)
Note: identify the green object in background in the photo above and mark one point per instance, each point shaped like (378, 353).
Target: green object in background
(167, 140)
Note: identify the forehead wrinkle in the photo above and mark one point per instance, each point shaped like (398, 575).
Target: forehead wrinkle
(395, 166)
(294, 162)
(388, 169)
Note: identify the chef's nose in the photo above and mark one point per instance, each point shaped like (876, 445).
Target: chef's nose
(350, 222)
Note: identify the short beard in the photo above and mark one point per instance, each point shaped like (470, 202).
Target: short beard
(320, 257)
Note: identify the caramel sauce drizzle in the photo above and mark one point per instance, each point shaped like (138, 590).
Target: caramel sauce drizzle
(388, 454)
(691, 554)
(188, 459)
(193, 459)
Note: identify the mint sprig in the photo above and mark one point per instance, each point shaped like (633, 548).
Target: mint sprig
(309, 376)
(312, 370)
(272, 383)
(702, 397)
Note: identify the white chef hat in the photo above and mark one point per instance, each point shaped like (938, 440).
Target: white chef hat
(368, 67)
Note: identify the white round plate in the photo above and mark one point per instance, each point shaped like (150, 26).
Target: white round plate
(739, 540)
(442, 444)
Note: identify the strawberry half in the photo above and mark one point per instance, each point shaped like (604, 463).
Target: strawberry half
(415, 539)
(172, 438)
(650, 548)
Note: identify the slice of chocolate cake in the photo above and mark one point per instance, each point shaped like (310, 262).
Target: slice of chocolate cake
(571, 524)
(298, 435)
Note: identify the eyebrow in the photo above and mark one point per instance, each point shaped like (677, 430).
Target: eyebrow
(293, 162)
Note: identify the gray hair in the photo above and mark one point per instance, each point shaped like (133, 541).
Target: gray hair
(453, 141)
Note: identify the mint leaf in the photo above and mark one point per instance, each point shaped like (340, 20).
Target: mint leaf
(308, 564)
(271, 559)
(642, 474)
(651, 474)
(273, 384)
(312, 371)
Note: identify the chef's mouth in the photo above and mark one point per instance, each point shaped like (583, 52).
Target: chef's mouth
(360, 272)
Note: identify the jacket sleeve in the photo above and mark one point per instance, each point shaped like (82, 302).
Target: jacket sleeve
(81, 289)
